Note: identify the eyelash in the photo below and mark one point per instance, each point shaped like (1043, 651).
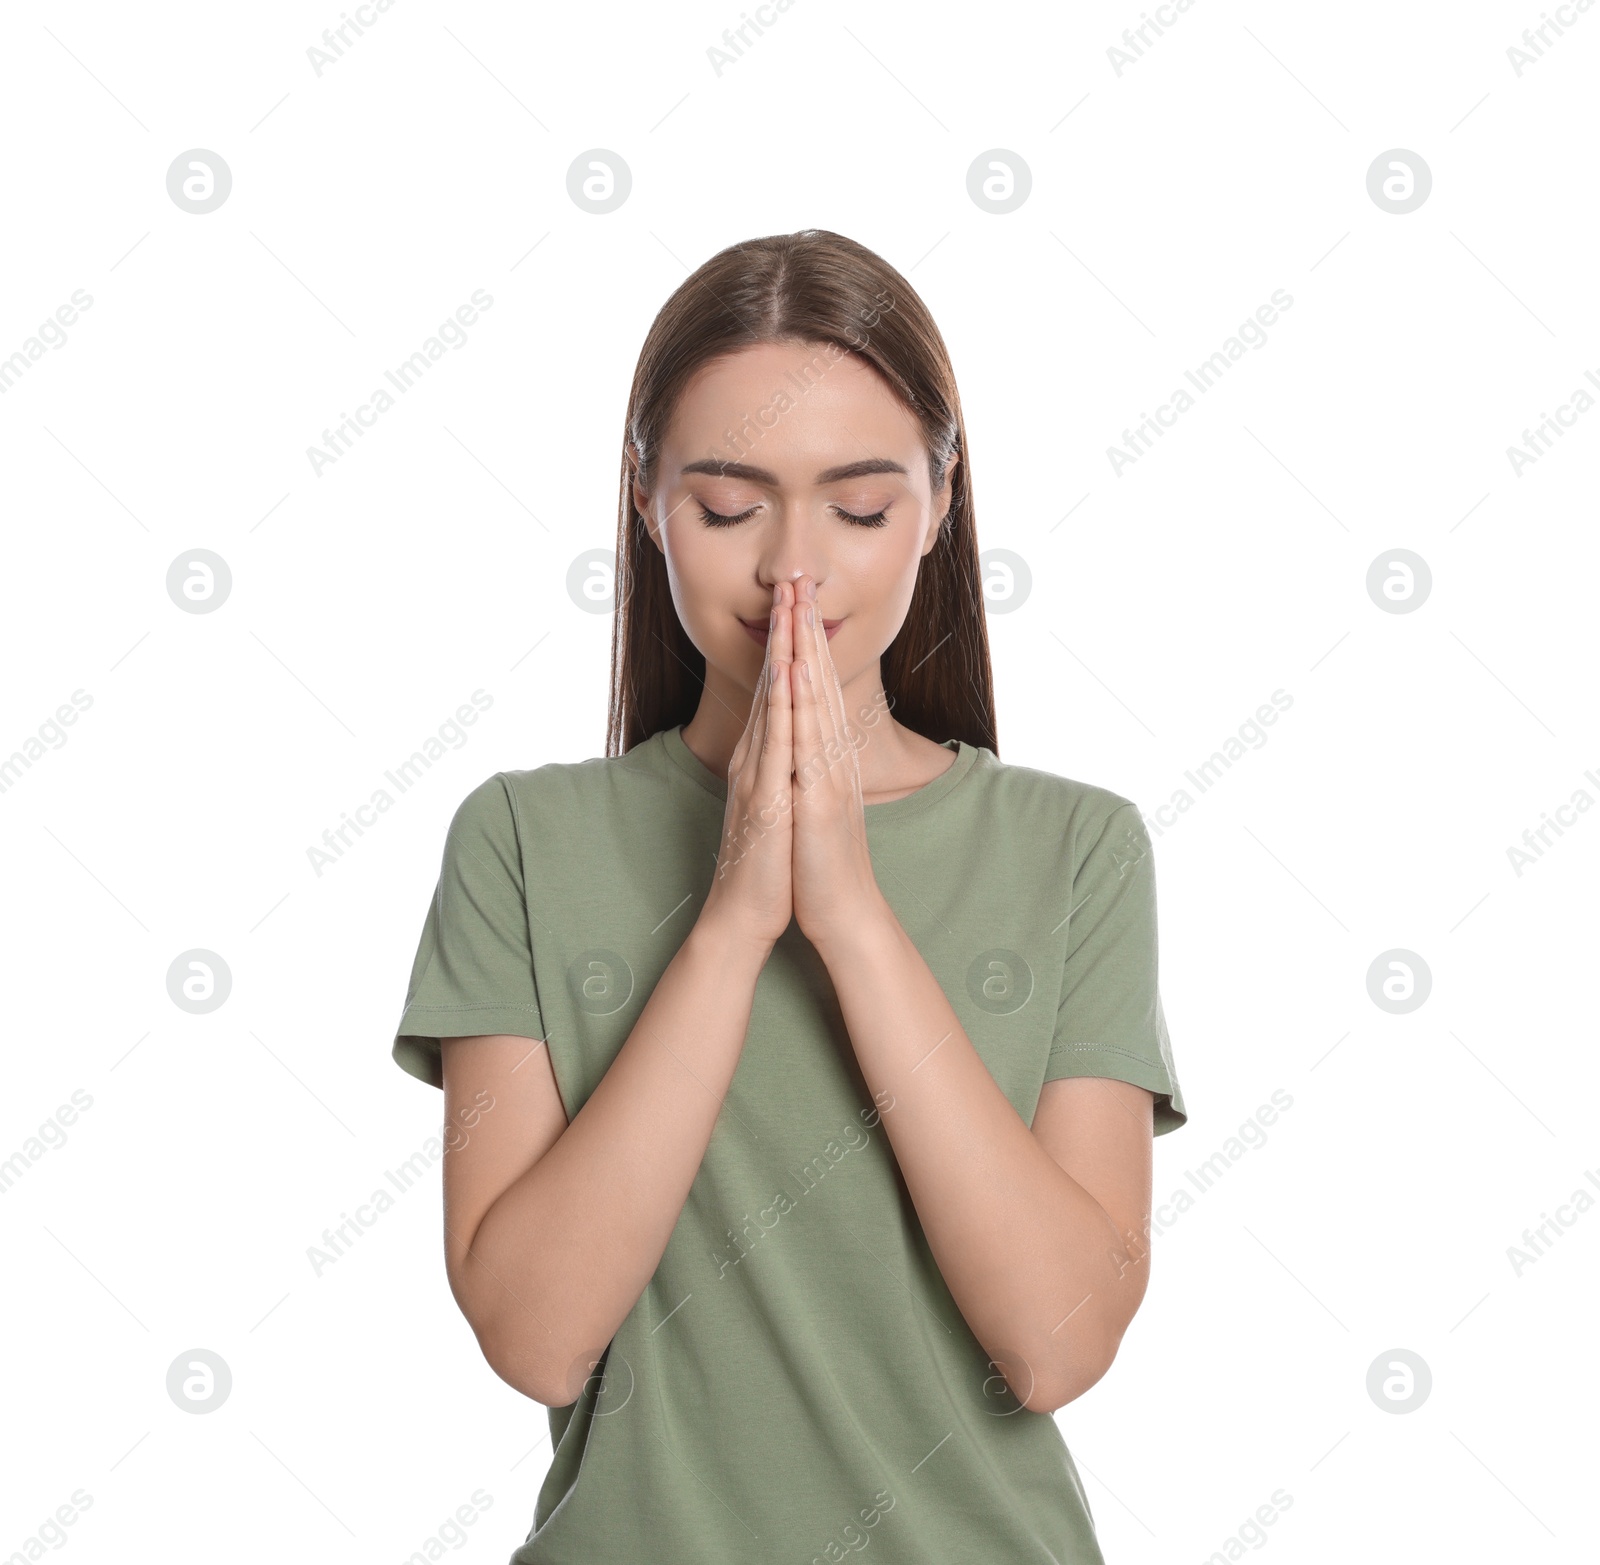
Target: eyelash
(717, 519)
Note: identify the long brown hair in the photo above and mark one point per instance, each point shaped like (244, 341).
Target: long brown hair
(816, 287)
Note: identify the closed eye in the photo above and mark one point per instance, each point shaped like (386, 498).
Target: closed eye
(717, 519)
(877, 519)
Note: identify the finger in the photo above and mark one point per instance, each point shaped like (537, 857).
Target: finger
(750, 741)
(745, 766)
(777, 758)
(834, 686)
(831, 701)
(809, 760)
(826, 693)
(850, 733)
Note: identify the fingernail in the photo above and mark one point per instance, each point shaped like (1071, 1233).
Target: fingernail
(808, 614)
(811, 590)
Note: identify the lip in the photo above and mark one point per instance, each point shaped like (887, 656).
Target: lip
(758, 633)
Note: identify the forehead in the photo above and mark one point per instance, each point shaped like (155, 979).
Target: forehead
(809, 404)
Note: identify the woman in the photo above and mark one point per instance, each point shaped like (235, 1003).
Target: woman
(801, 1059)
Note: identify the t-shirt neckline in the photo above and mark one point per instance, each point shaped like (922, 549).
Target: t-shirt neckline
(672, 742)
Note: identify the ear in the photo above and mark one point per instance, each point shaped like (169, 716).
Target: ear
(946, 494)
(942, 502)
(641, 500)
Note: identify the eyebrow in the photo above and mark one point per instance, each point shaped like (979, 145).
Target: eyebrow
(760, 475)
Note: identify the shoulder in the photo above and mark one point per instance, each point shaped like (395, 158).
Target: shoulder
(1078, 811)
(512, 796)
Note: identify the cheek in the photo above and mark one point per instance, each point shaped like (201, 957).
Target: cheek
(888, 574)
(706, 577)
(882, 577)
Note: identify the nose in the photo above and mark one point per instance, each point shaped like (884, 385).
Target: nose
(797, 579)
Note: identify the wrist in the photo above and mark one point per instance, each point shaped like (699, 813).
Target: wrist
(726, 941)
(866, 928)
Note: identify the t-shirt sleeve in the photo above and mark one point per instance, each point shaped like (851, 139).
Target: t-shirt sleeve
(1109, 1021)
(473, 971)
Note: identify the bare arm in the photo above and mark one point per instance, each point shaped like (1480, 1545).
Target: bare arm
(553, 1230)
(1037, 1234)
(1031, 1226)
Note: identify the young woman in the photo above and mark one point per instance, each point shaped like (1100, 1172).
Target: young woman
(801, 1058)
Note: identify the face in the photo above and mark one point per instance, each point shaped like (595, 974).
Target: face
(786, 460)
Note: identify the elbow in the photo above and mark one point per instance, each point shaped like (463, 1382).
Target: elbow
(553, 1377)
(514, 1364)
(1051, 1396)
(507, 1350)
(1050, 1393)
(513, 1342)
(1089, 1357)
(523, 1372)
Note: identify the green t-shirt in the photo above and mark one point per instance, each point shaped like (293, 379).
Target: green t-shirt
(796, 1381)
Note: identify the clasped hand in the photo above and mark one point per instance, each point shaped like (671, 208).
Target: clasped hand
(795, 833)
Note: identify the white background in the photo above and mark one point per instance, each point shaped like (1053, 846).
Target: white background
(1168, 202)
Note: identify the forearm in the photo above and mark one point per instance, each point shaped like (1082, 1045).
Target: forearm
(1032, 1260)
(565, 1252)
